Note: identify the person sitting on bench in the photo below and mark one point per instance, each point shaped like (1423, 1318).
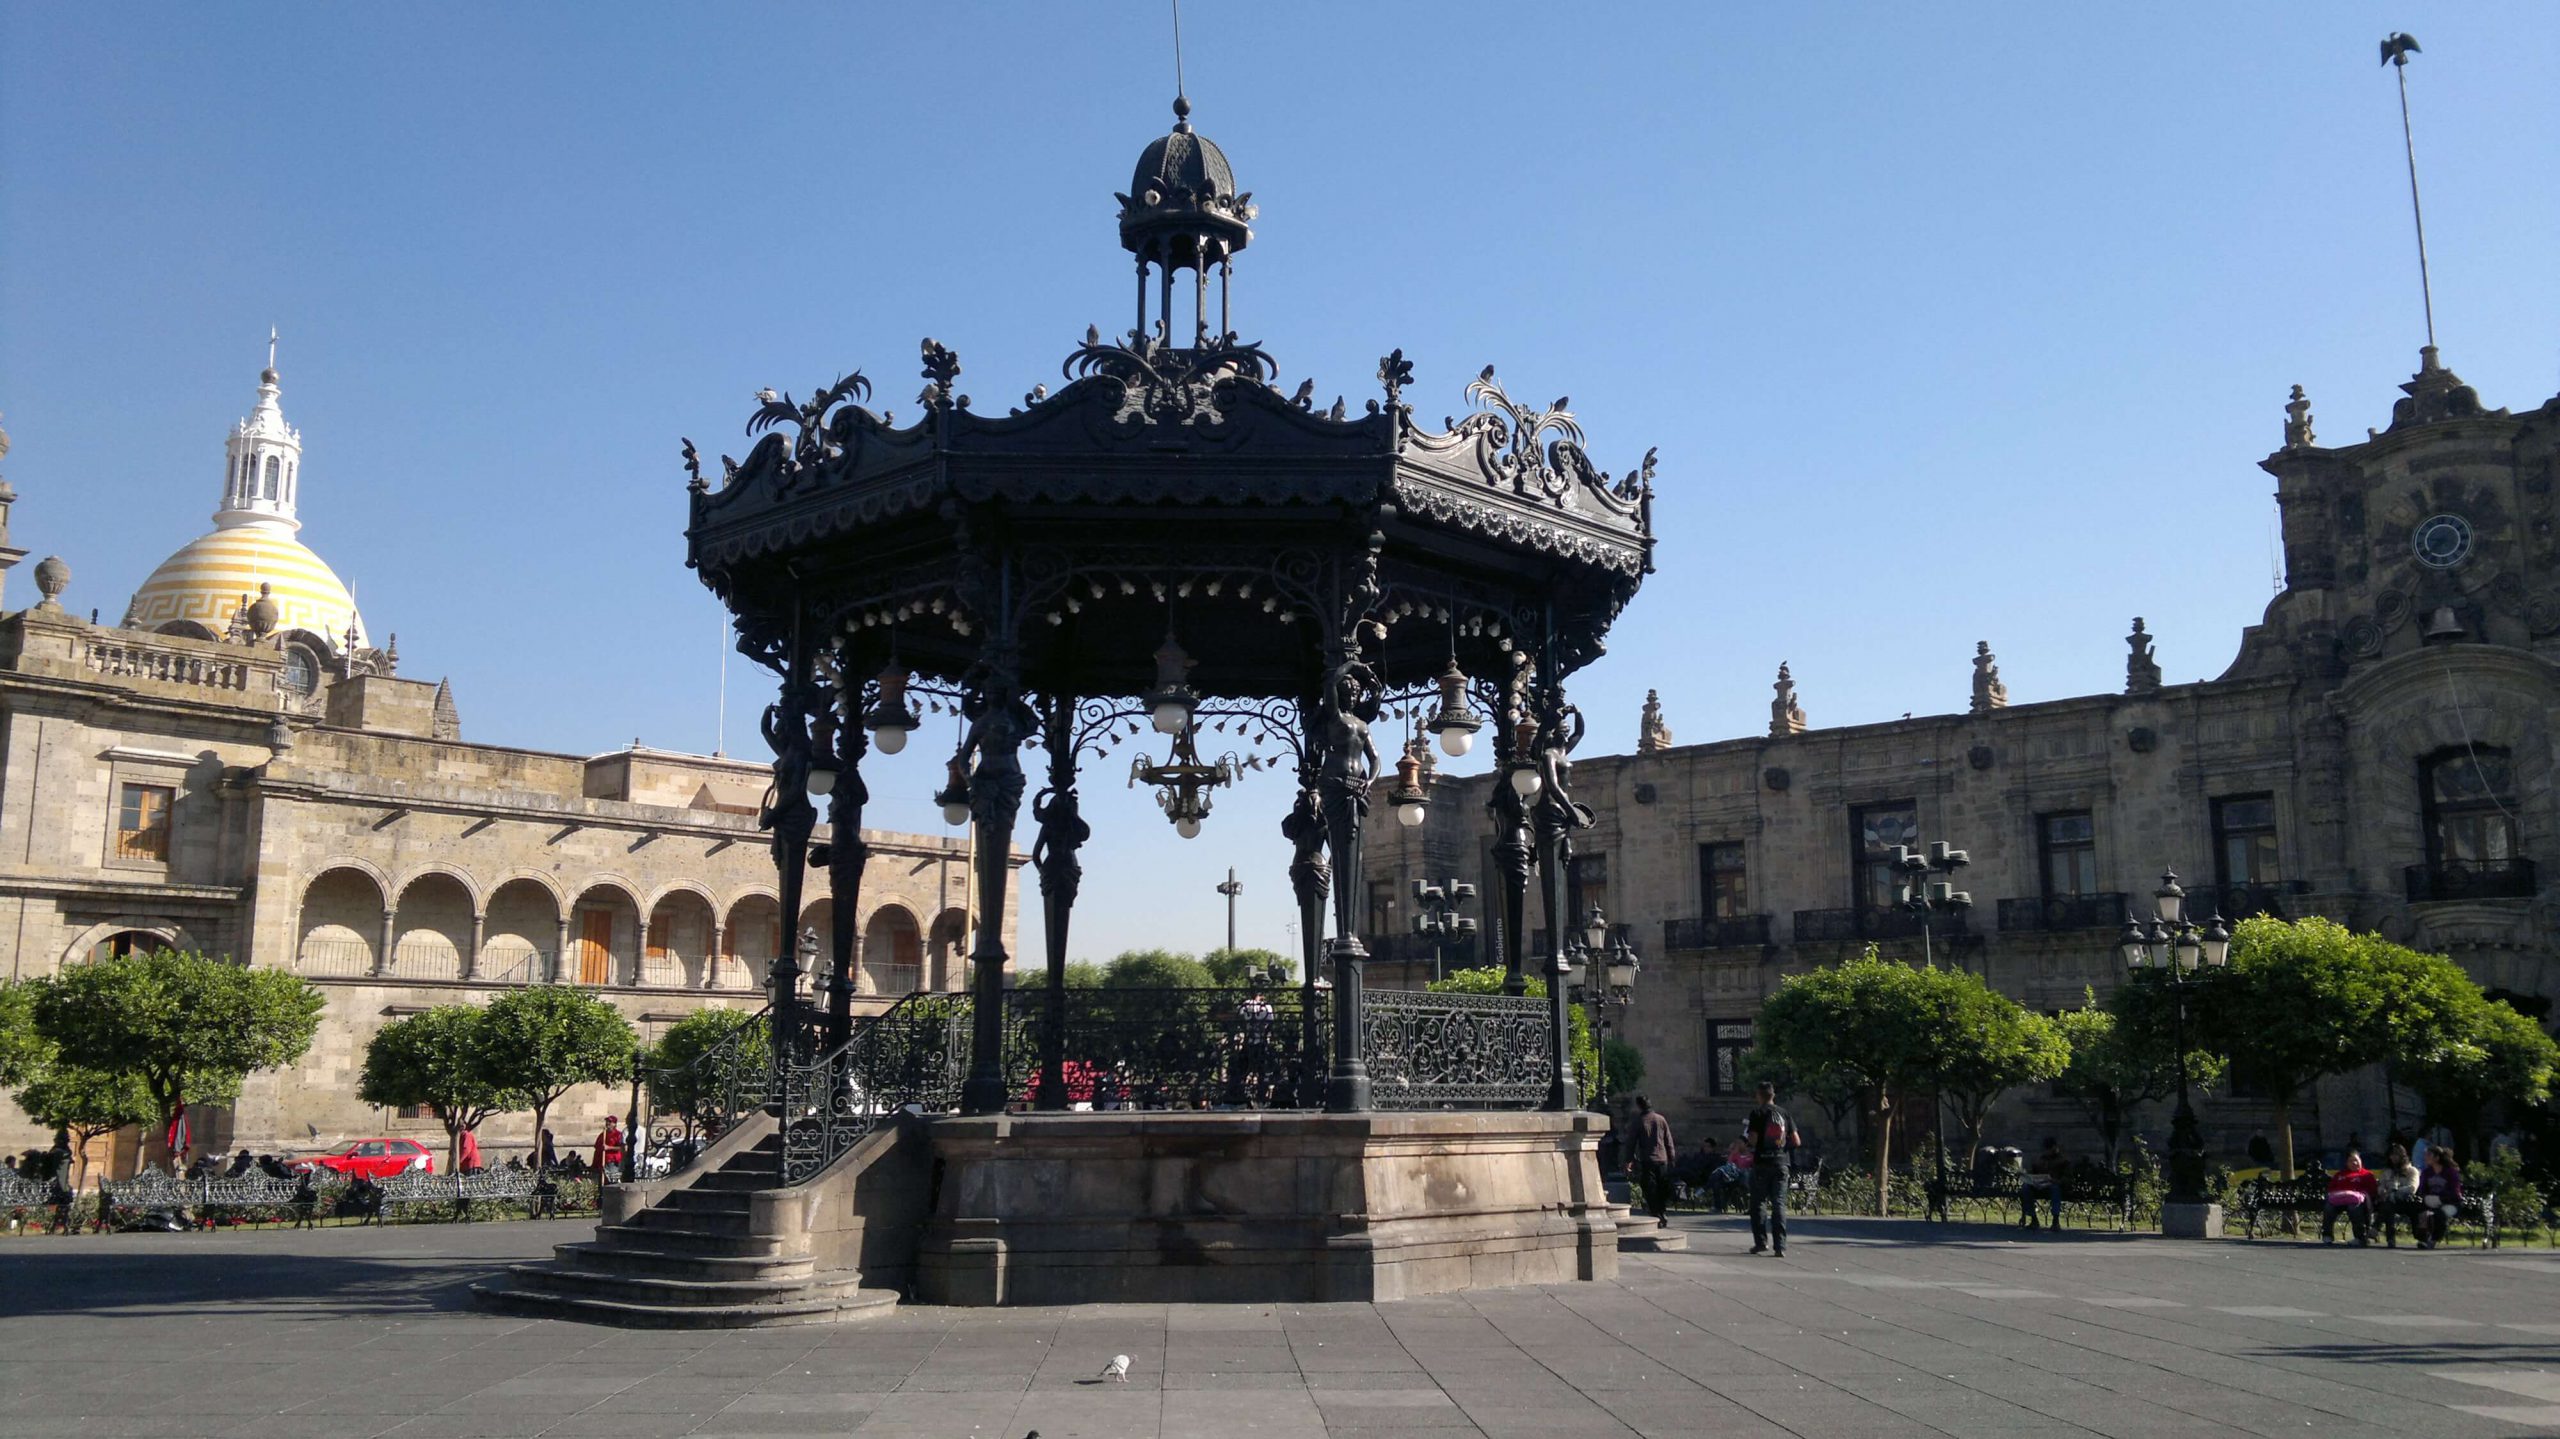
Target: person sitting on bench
(2043, 1176)
(2352, 1191)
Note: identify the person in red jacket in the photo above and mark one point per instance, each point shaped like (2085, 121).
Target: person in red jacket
(609, 1149)
(2352, 1191)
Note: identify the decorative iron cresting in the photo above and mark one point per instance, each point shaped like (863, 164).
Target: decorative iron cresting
(915, 1054)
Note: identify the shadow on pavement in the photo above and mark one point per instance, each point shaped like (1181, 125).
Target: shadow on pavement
(1900, 1231)
(276, 1286)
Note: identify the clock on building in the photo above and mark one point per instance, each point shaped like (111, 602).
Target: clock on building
(2442, 541)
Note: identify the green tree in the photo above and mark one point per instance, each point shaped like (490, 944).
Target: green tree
(24, 1051)
(1836, 1095)
(1997, 1045)
(2111, 1075)
(2497, 1057)
(1242, 968)
(190, 1028)
(1156, 969)
(701, 1061)
(443, 1060)
(1080, 974)
(1623, 1064)
(548, 1039)
(86, 1102)
(2300, 1000)
(1488, 980)
(1883, 1028)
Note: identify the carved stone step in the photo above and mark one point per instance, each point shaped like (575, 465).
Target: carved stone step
(671, 1238)
(683, 1293)
(671, 1264)
(504, 1296)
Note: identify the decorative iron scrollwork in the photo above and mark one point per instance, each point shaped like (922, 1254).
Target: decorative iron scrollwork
(1431, 1050)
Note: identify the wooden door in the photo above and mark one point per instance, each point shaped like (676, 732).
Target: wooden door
(595, 947)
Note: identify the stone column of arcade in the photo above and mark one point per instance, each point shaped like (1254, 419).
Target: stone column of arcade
(1053, 854)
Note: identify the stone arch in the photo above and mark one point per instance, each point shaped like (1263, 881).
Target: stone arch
(470, 887)
(134, 933)
(892, 951)
(683, 928)
(521, 938)
(749, 936)
(947, 950)
(431, 926)
(604, 934)
(340, 929)
(2491, 719)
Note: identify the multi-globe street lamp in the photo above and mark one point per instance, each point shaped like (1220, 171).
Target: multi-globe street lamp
(1928, 888)
(1600, 970)
(1436, 917)
(2171, 946)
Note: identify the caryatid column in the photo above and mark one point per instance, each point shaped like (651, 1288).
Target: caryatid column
(847, 853)
(1062, 832)
(999, 722)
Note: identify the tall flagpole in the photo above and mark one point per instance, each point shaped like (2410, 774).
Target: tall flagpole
(2396, 52)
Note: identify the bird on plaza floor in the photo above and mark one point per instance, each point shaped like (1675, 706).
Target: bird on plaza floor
(1117, 1370)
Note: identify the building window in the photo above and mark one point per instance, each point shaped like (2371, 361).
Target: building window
(1382, 907)
(1727, 1041)
(1587, 883)
(301, 671)
(142, 823)
(2244, 840)
(2070, 855)
(1723, 883)
(2470, 809)
(415, 1111)
(274, 468)
(1875, 831)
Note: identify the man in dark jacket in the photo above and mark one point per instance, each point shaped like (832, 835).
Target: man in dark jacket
(1655, 1153)
(1772, 1137)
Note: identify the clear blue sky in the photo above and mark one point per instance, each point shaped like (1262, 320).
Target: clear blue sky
(1950, 325)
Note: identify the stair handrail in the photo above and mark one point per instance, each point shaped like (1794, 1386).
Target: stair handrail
(711, 1092)
(912, 1056)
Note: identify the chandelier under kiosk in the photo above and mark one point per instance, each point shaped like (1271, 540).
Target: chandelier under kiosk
(1030, 566)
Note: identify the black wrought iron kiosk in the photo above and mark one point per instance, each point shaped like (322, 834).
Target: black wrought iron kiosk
(1172, 541)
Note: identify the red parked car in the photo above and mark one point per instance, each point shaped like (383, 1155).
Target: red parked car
(374, 1158)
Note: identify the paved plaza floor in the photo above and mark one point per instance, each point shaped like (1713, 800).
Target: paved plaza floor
(1866, 1329)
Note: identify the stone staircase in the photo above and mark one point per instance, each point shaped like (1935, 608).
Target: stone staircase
(1644, 1234)
(691, 1260)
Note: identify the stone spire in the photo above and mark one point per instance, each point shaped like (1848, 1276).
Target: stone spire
(1652, 735)
(2141, 671)
(262, 467)
(2297, 422)
(1988, 692)
(447, 723)
(2435, 393)
(1786, 717)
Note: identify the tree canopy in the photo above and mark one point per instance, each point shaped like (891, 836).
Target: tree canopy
(548, 1039)
(24, 1051)
(1999, 1045)
(86, 1102)
(2497, 1056)
(1239, 968)
(1888, 1029)
(445, 1061)
(1156, 969)
(2112, 1073)
(187, 1026)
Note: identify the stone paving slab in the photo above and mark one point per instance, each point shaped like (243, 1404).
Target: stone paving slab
(1866, 1329)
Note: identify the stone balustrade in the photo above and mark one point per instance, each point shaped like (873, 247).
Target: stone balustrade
(127, 659)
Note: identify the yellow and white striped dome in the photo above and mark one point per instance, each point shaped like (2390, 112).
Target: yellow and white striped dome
(205, 582)
(252, 545)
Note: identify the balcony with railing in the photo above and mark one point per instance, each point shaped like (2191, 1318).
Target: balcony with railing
(424, 958)
(514, 966)
(169, 664)
(1458, 953)
(334, 958)
(2471, 879)
(2054, 914)
(1741, 931)
(1838, 926)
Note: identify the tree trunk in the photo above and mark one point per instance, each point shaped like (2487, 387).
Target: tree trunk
(453, 1146)
(1884, 1156)
(541, 1117)
(2284, 1128)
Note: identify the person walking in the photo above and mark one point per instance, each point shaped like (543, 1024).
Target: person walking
(1772, 1136)
(1655, 1154)
(470, 1152)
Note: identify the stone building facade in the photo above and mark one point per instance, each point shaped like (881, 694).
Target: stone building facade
(2380, 752)
(252, 779)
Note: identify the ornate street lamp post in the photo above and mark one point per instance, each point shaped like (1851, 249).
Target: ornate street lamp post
(2181, 955)
(1602, 973)
(1924, 895)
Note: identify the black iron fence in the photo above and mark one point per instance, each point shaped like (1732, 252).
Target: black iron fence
(2060, 912)
(1432, 1050)
(1741, 931)
(1823, 926)
(914, 1055)
(2474, 879)
(1172, 1048)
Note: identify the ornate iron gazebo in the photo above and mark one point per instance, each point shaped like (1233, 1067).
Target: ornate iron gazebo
(1172, 538)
